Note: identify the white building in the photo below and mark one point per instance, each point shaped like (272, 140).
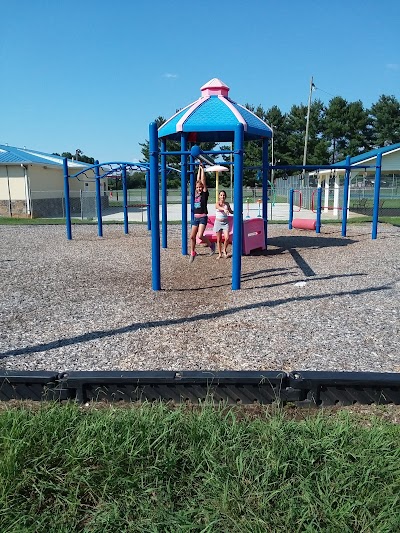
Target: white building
(362, 178)
(32, 183)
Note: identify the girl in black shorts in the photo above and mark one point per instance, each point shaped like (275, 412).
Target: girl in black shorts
(200, 215)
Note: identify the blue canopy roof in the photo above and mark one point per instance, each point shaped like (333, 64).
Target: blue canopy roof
(213, 117)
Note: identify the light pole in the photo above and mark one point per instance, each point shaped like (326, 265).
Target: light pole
(307, 125)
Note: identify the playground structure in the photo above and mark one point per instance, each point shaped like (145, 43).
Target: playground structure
(101, 171)
(213, 117)
(253, 233)
(311, 225)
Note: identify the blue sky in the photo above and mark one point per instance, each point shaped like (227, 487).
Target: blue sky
(92, 74)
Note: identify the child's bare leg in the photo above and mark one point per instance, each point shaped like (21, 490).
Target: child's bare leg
(202, 237)
(219, 244)
(193, 235)
(226, 242)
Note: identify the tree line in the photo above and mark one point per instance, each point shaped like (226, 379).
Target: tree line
(336, 130)
(77, 156)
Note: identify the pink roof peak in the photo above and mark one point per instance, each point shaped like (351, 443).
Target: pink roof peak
(214, 86)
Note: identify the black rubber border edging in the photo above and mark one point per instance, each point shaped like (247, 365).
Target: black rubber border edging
(302, 388)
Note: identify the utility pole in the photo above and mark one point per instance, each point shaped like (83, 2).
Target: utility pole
(307, 125)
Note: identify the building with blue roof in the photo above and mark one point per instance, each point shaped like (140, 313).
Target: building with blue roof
(390, 159)
(31, 183)
(361, 178)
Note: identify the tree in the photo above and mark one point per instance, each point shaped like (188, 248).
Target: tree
(82, 157)
(296, 122)
(172, 146)
(253, 149)
(347, 128)
(278, 122)
(342, 128)
(86, 159)
(358, 129)
(136, 180)
(335, 127)
(385, 121)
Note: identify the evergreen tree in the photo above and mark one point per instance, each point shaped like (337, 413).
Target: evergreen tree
(347, 128)
(296, 125)
(385, 121)
(82, 157)
(358, 136)
(342, 128)
(334, 128)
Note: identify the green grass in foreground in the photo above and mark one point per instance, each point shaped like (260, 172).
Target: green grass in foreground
(157, 469)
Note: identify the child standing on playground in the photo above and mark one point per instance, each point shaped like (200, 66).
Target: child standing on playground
(200, 215)
(221, 224)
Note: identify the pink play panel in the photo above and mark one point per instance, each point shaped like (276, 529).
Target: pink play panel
(253, 233)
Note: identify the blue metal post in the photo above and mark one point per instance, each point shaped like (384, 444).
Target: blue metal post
(238, 207)
(66, 200)
(125, 197)
(192, 184)
(346, 186)
(184, 193)
(319, 209)
(265, 174)
(98, 200)
(164, 199)
(377, 187)
(154, 208)
(148, 199)
(291, 201)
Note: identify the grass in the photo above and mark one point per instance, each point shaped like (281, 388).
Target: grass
(394, 221)
(155, 468)
(369, 202)
(15, 221)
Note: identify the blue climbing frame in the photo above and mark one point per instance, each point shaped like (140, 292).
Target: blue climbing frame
(100, 171)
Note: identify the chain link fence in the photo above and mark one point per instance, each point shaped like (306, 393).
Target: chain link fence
(51, 204)
(361, 194)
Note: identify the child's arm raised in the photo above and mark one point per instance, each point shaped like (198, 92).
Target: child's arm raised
(201, 176)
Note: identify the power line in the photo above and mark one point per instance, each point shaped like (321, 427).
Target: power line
(319, 89)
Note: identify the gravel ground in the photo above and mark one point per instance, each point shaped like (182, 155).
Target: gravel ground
(87, 304)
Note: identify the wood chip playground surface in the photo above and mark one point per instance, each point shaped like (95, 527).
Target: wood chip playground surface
(309, 302)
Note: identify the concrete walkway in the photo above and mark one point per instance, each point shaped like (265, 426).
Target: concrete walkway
(275, 212)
